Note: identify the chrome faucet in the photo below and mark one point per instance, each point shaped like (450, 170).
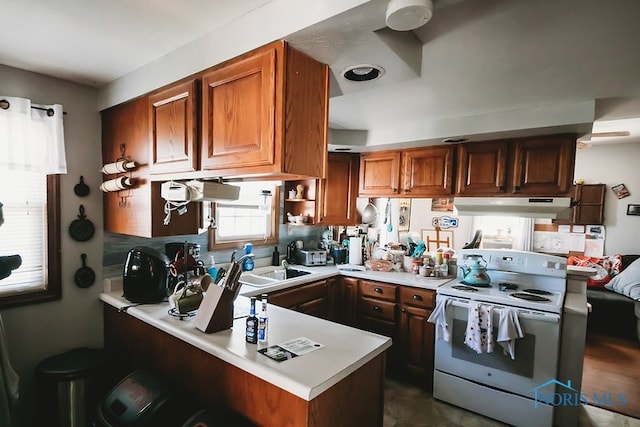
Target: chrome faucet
(284, 264)
(243, 257)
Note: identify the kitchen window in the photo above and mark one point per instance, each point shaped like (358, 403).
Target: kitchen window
(32, 143)
(504, 232)
(253, 218)
(31, 229)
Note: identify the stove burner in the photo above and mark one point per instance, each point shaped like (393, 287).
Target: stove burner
(475, 285)
(530, 297)
(504, 286)
(538, 291)
(464, 288)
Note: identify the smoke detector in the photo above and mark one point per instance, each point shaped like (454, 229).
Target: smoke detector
(405, 15)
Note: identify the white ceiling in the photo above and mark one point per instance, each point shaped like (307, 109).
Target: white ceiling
(479, 68)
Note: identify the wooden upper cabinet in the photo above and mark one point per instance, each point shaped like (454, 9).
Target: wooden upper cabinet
(589, 204)
(428, 172)
(380, 173)
(544, 166)
(138, 211)
(482, 168)
(538, 166)
(173, 129)
(265, 114)
(336, 195)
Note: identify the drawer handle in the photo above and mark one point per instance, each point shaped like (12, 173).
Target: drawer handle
(376, 308)
(417, 297)
(377, 290)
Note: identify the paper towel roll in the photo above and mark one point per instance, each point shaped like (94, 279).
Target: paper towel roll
(355, 250)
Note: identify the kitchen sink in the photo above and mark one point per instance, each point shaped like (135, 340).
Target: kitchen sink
(269, 276)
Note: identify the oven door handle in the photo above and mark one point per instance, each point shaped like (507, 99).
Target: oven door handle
(522, 314)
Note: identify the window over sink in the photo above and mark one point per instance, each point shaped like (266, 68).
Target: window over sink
(253, 218)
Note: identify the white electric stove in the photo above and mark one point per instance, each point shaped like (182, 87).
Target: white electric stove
(494, 384)
(520, 279)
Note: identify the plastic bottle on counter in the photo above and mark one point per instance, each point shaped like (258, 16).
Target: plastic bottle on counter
(275, 257)
(212, 270)
(248, 263)
(251, 334)
(263, 321)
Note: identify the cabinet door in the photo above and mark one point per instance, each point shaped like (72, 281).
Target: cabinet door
(544, 166)
(589, 204)
(336, 200)
(481, 168)
(173, 124)
(428, 172)
(380, 173)
(238, 113)
(334, 299)
(349, 301)
(416, 338)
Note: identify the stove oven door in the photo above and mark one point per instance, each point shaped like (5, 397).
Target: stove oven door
(536, 354)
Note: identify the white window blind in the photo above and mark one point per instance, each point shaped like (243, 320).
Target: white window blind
(246, 218)
(24, 196)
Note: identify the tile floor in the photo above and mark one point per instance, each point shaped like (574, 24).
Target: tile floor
(409, 406)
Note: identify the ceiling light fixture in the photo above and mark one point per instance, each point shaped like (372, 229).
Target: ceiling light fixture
(362, 72)
(405, 15)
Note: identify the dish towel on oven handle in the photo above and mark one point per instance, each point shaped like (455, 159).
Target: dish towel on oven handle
(509, 330)
(441, 317)
(479, 333)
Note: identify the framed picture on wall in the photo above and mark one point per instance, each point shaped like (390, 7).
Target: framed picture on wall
(443, 204)
(621, 191)
(633, 209)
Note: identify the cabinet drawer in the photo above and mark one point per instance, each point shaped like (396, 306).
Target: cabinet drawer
(378, 290)
(291, 298)
(423, 298)
(376, 308)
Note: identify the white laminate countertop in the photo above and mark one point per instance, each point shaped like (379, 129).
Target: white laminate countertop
(324, 272)
(345, 349)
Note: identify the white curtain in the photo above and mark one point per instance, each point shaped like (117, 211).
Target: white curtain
(31, 136)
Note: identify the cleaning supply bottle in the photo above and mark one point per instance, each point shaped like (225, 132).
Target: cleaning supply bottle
(275, 257)
(248, 263)
(263, 321)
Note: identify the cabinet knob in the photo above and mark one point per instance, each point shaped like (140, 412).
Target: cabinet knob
(417, 297)
(405, 191)
(403, 310)
(395, 190)
(376, 308)
(378, 290)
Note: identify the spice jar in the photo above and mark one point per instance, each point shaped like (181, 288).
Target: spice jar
(415, 268)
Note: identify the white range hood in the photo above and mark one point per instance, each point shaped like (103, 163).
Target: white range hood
(527, 207)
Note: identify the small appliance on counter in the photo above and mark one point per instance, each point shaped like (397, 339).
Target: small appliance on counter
(311, 257)
(146, 275)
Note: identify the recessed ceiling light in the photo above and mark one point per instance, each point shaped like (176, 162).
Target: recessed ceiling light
(362, 72)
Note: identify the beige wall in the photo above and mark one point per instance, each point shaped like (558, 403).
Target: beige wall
(38, 331)
(612, 165)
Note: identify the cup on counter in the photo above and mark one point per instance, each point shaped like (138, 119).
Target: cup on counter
(424, 271)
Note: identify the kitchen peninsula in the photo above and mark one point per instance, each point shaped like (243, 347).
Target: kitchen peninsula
(341, 383)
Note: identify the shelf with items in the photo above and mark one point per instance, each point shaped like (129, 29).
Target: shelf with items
(300, 202)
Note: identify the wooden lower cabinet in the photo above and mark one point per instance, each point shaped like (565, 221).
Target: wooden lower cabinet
(210, 382)
(416, 335)
(312, 299)
(349, 303)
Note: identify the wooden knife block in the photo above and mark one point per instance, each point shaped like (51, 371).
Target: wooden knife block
(216, 310)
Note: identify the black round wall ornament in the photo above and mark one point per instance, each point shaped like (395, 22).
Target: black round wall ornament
(85, 276)
(81, 189)
(81, 229)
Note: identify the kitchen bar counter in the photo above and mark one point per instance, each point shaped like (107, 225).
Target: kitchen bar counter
(328, 386)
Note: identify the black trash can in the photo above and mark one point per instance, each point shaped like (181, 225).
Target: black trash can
(69, 386)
